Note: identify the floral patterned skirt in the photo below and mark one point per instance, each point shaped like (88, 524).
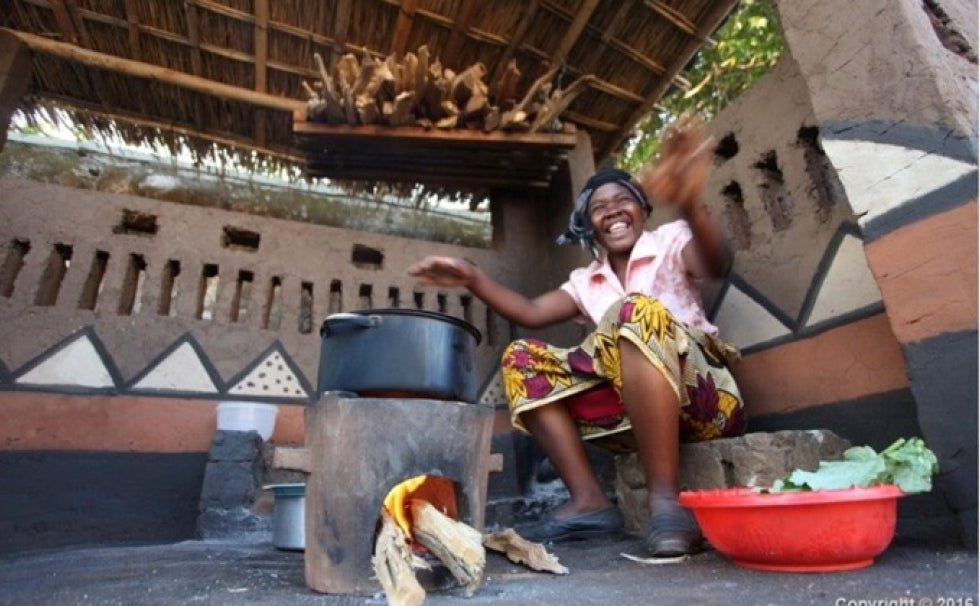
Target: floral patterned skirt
(696, 365)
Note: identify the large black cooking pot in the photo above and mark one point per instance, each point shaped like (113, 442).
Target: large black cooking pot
(398, 352)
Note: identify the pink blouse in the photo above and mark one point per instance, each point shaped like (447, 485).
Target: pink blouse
(655, 268)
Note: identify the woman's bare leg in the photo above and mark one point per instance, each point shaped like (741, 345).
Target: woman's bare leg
(652, 407)
(555, 432)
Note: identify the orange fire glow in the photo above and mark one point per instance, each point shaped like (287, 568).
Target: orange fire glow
(436, 490)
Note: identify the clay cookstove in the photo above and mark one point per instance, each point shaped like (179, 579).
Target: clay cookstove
(360, 448)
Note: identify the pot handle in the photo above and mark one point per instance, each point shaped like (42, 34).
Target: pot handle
(358, 320)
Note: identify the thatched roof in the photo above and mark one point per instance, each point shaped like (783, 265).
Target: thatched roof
(230, 72)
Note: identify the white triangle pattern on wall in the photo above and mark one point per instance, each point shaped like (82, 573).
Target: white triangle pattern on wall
(881, 176)
(182, 370)
(270, 377)
(743, 322)
(848, 284)
(76, 363)
(493, 393)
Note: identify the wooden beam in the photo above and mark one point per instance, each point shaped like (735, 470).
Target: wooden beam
(66, 25)
(610, 32)
(523, 24)
(261, 57)
(460, 181)
(448, 23)
(461, 28)
(156, 73)
(136, 119)
(132, 23)
(341, 25)
(16, 69)
(710, 22)
(77, 24)
(445, 136)
(637, 56)
(678, 20)
(589, 121)
(194, 36)
(574, 31)
(399, 40)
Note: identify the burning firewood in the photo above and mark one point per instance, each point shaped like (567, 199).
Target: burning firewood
(394, 565)
(458, 546)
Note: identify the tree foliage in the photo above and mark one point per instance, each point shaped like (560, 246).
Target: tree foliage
(749, 44)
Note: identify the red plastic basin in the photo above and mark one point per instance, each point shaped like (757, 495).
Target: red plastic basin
(812, 531)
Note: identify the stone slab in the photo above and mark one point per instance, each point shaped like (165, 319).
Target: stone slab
(755, 459)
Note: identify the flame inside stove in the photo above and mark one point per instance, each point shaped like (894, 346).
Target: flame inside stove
(436, 490)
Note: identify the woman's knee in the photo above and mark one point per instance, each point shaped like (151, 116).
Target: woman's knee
(642, 301)
(625, 308)
(507, 357)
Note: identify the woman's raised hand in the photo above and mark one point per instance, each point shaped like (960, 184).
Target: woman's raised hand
(678, 176)
(443, 271)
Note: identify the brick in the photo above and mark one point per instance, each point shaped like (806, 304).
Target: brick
(755, 459)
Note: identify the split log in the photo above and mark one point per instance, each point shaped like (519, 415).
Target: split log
(559, 102)
(383, 85)
(450, 113)
(392, 564)
(521, 551)
(402, 111)
(512, 118)
(458, 546)
(476, 107)
(333, 107)
(467, 83)
(491, 121)
(350, 108)
(367, 110)
(432, 94)
(506, 87)
(422, 70)
(346, 70)
(447, 122)
(366, 83)
(449, 107)
(407, 77)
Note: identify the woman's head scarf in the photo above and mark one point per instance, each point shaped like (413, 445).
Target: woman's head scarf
(579, 225)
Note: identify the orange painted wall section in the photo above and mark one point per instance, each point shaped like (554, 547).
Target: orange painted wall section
(855, 360)
(46, 421)
(927, 273)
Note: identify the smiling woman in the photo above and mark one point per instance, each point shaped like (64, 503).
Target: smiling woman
(652, 345)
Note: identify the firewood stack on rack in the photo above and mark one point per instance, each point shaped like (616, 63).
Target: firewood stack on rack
(415, 90)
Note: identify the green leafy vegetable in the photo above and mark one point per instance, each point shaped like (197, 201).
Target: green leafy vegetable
(907, 463)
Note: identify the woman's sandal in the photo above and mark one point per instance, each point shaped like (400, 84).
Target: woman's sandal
(672, 534)
(602, 523)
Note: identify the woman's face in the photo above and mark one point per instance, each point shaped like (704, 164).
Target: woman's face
(617, 218)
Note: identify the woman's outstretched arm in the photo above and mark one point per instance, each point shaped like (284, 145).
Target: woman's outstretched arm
(549, 308)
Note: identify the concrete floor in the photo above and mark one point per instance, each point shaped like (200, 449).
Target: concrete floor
(204, 572)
